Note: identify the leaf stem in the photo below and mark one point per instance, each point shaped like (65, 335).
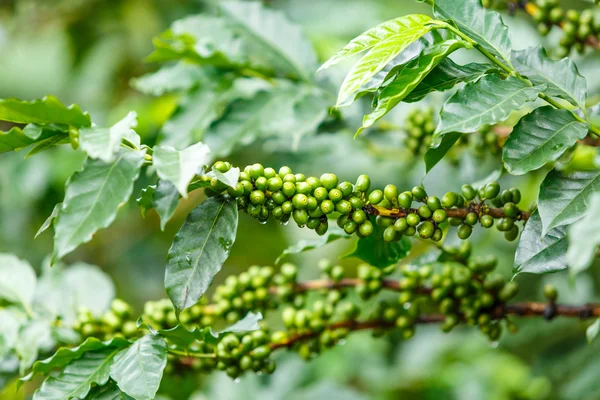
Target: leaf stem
(191, 354)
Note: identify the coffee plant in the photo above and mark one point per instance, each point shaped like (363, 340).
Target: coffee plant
(242, 76)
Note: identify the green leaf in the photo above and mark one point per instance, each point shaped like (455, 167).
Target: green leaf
(183, 337)
(165, 201)
(138, 369)
(145, 199)
(65, 355)
(445, 76)
(247, 324)
(170, 78)
(539, 138)
(104, 143)
(394, 39)
(592, 331)
(199, 250)
(561, 77)
(379, 253)
(43, 111)
(48, 220)
(229, 178)
(584, 237)
(34, 336)
(480, 24)
(180, 166)
(485, 102)
(45, 144)
(17, 280)
(539, 254)
(439, 148)
(17, 138)
(93, 198)
(110, 391)
(9, 331)
(270, 39)
(78, 377)
(408, 77)
(564, 199)
(333, 233)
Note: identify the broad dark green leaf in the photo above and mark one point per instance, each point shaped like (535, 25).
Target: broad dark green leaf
(439, 147)
(110, 391)
(584, 237)
(65, 355)
(480, 24)
(104, 143)
(145, 199)
(561, 77)
(485, 102)
(564, 199)
(540, 254)
(43, 111)
(445, 76)
(180, 166)
(93, 198)
(396, 35)
(199, 250)
(408, 77)
(77, 378)
(539, 138)
(270, 39)
(333, 233)
(17, 280)
(165, 200)
(139, 368)
(170, 78)
(379, 253)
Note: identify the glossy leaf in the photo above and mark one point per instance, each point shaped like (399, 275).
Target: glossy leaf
(445, 76)
(539, 254)
(406, 30)
(78, 377)
(247, 324)
(183, 337)
(584, 237)
(110, 391)
(561, 77)
(17, 138)
(199, 250)
(17, 280)
(65, 355)
(480, 24)
(145, 199)
(564, 199)
(485, 102)
(439, 147)
(379, 253)
(271, 39)
(408, 78)
(93, 198)
(49, 220)
(43, 111)
(170, 78)
(333, 233)
(104, 143)
(165, 200)
(229, 178)
(138, 369)
(180, 166)
(539, 138)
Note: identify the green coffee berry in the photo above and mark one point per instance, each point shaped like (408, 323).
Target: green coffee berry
(419, 193)
(363, 183)
(329, 181)
(405, 199)
(464, 231)
(375, 197)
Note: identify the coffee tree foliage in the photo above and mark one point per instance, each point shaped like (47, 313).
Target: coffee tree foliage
(245, 77)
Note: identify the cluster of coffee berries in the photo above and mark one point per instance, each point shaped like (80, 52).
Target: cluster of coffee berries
(161, 314)
(580, 29)
(483, 142)
(117, 321)
(419, 126)
(310, 201)
(239, 353)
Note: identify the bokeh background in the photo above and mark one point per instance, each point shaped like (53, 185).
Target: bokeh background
(87, 52)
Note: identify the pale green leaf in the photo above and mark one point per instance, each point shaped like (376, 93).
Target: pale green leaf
(561, 77)
(170, 78)
(409, 29)
(408, 77)
(43, 111)
(17, 280)
(485, 102)
(138, 369)
(333, 233)
(592, 331)
(9, 331)
(17, 138)
(165, 200)
(34, 335)
(564, 198)
(48, 220)
(93, 198)
(229, 178)
(199, 250)
(247, 324)
(480, 24)
(539, 138)
(584, 237)
(180, 166)
(539, 254)
(104, 143)
(77, 378)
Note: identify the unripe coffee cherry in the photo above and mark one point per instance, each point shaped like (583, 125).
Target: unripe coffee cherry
(335, 195)
(426, 230)
(366, 228)
(449, 200)
(433, 203)
(389, 234)
(405, 199)
(439, 216)
(413, 219)
(390, 192)
(400, 225)
(464, 231)
(492, 190)
(257, 197)
(256, 171)
(468, 192)
(375, 197)
(300, 201)
(329, 181)
(363, 183)
(419, 192)
(550, 292)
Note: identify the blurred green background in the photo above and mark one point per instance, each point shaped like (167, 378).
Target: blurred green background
(87, 51)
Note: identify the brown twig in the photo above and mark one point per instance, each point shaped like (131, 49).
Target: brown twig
(451, 212)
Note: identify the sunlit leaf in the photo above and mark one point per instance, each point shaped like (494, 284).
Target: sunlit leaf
(43, 111)
(180, 166)
(584, 237)
(17, 280)
(104, 143)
